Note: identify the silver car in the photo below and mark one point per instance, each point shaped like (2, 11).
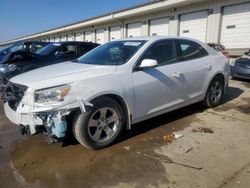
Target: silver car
(116, 85)
(240, 68)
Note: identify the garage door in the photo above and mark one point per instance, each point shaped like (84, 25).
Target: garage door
(64, 38)
(235, 31)
(194, 25)
(159, 27)
(115, 33)
(88, 36)
(100, 37)
(79, 37)
(57, 39)
(134, 29)
(71, 37)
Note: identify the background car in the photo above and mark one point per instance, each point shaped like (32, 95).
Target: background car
(21, 61)
(240, 68)
(27, 46)
(220, 48)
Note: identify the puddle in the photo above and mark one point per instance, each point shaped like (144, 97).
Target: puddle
(245, 108)
(203, 130)
(70, 164)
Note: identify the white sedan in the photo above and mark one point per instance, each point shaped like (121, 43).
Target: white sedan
(114, 86)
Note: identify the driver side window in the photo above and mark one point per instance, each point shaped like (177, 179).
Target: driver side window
(68, 49)
(164, 52)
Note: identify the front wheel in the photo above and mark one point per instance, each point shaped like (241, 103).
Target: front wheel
(101, 125)
(214, 93)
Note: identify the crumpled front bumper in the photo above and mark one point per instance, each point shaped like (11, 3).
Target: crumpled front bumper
(51, 121)
(31, 120)
(49, 118)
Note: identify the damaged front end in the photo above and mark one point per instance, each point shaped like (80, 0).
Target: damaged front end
(42, 111)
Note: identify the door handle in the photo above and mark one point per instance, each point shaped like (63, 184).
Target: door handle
(208, 67)
(177, 74)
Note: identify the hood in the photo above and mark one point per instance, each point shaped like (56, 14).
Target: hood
(62, 73)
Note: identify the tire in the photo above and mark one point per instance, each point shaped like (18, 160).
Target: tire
(215, 93)
(95, 129)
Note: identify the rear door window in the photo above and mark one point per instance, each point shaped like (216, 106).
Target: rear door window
(69, 49)
(189, 50)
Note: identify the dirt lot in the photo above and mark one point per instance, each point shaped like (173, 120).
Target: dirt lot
(213, 152)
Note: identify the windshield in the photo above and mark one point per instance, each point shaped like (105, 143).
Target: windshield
(15, 47)
(112, 53)
(48, 49)
(2, 49)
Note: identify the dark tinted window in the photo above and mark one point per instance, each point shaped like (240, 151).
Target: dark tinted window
(68, 49)
(90, 46)
(52, 47)
(164, 52)
(39, 46)
(82, 48)
(189, 50)
(16, 47)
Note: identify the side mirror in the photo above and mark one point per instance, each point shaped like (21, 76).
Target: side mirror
(148, 63)
(59, 53)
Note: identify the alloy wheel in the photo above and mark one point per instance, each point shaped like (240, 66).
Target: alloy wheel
(103, 124)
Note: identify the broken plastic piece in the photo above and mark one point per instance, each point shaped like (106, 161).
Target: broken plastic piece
(128, 148)
(178, 135)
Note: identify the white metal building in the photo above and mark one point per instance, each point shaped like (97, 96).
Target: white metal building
(211, 21)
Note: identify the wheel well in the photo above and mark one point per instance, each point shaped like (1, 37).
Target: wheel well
(221, 76)
(122, 103)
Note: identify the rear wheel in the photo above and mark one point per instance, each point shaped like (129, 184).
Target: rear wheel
(101, 125)
(214, 93)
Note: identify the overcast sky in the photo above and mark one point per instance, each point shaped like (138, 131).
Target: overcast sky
(23, 17)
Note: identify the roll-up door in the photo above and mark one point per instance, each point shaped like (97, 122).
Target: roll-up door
(194, 25)
(235, 31)
(57, 39)
(159, 27)
(88, 36)
(71, 37)
(134, 29)
(115, 33)
(64, 38)
(79, 36)
(100, 37)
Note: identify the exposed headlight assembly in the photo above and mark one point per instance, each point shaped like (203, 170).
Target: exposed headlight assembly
(52, 95)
